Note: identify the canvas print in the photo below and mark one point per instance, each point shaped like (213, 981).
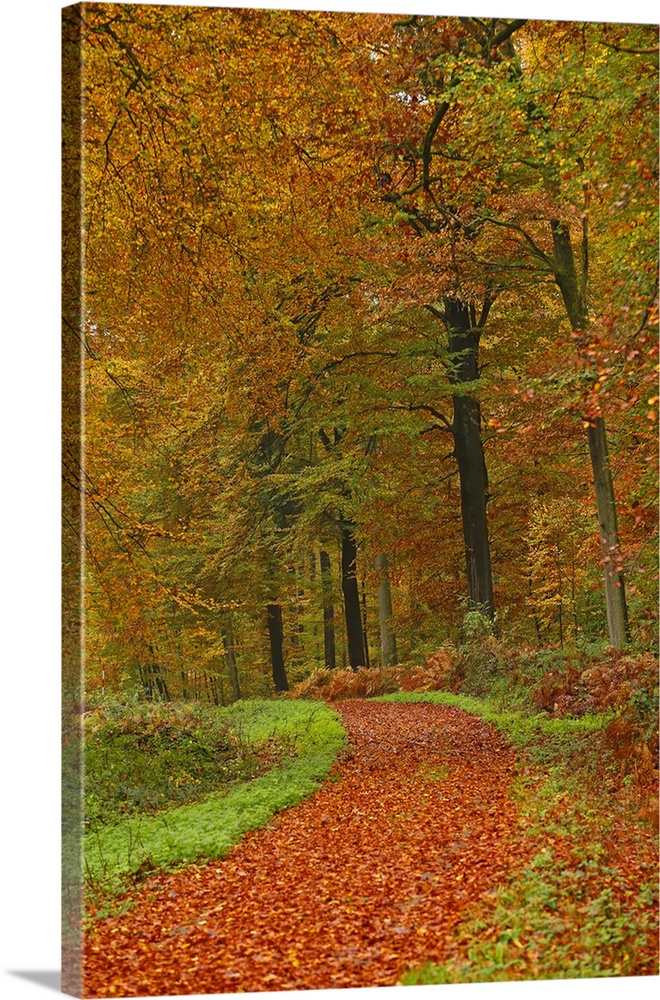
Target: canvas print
(360, 499)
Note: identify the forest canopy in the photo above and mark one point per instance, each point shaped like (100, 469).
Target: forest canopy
(369, 341)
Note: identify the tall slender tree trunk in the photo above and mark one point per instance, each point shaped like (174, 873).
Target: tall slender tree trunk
(365, 630)
(388, 650)
(576, 630)
(464, 332)
(329, 654)
(535, 617)
(560, 592)
(276, 635)
(574, 295)
(615, 590)
(230, 659)
(349, 586)
(314, 631)
(159, 684)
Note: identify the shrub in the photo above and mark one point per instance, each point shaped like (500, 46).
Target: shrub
(619, 679)
(125, 850)
(438, 674)
(140, 758)
(476, 627)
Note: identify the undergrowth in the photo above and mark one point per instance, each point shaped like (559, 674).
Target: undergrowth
(143, 757)
(585, 726)
(551, 684)
(581, 908)
(120, 853)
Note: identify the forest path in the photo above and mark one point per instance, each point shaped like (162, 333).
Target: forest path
(350, 888)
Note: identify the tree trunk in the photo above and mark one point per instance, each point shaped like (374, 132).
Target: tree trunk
(230, 659)
(349, 586)
(615, 591)
(365, 631)
(464, 334)
(388, 651)
(276, 634)
(560, 592)
(535, 617)
(156, 684)
(328, 613)
(573, 293)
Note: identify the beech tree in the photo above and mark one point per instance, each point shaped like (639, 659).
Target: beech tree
(525, 108)
(410, 233)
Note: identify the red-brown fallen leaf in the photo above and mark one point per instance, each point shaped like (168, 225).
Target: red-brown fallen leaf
(368, 877)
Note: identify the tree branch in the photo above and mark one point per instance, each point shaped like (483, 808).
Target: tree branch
(440, 113)
(634, 52)
(507, 31)
(425, 408)
(435, 312)
(536, 250)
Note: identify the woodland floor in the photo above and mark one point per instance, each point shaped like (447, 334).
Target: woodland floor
(352, 887)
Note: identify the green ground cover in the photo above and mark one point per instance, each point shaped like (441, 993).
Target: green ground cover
(582, 908)
(184, 753)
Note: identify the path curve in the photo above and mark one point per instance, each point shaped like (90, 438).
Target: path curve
(350, 888)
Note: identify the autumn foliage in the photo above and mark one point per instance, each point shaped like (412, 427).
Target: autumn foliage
(270, 366)
(415, 831)
(367, 343)
(377, 908)
(336, 685)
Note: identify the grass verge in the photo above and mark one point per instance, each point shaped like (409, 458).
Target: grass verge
(586, 905)
(118, 855)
